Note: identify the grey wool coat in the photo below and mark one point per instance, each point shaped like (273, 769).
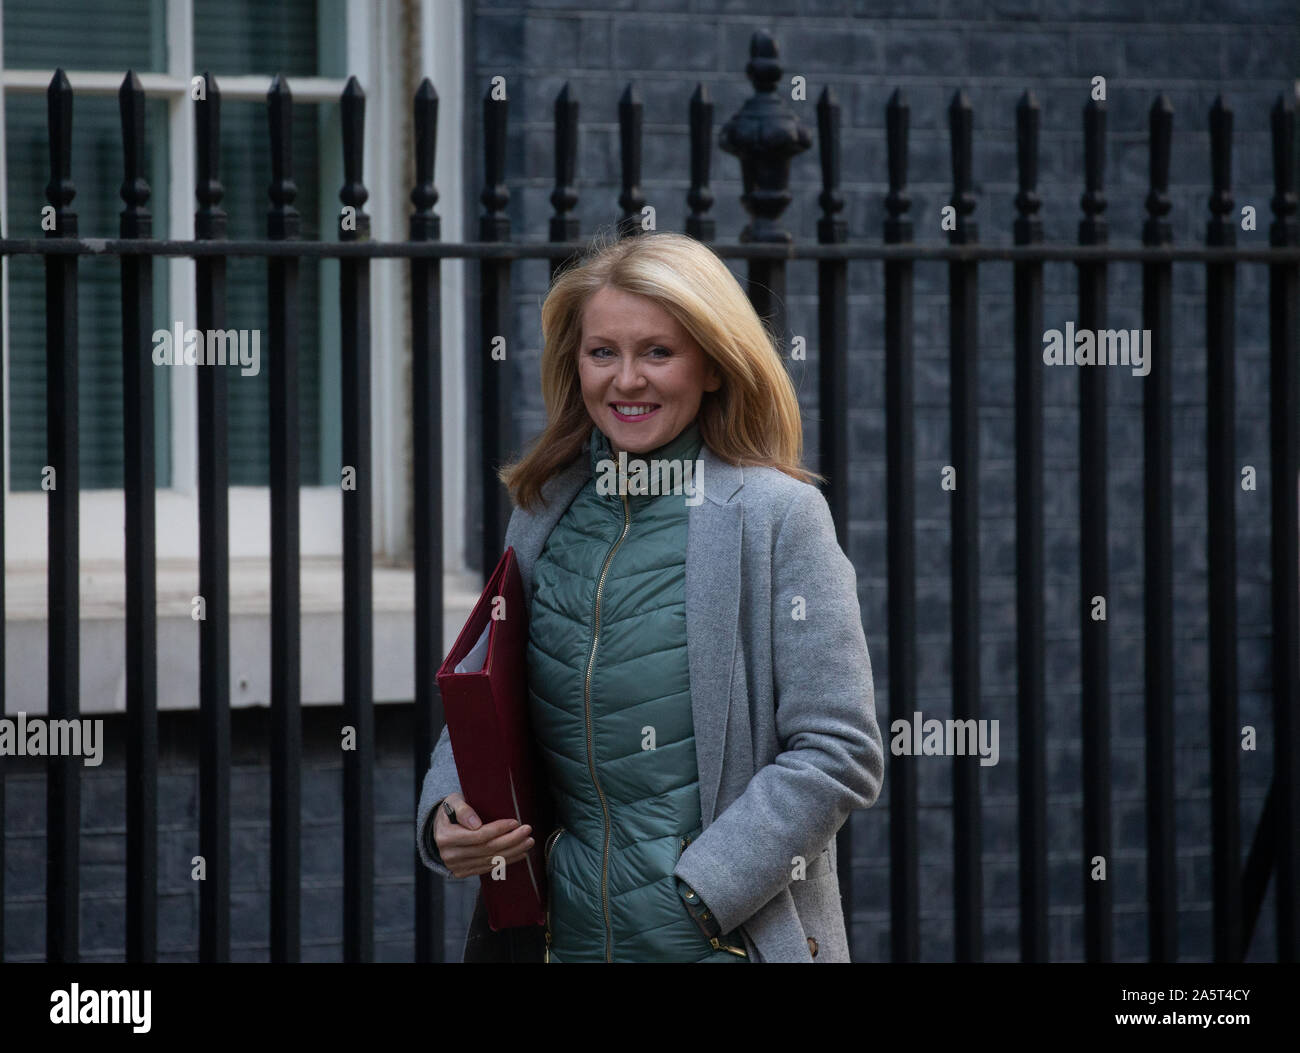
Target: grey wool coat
(781, 691)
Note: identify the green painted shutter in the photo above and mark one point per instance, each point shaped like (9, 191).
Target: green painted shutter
(252, 37)
(78, 34)
(229, 39)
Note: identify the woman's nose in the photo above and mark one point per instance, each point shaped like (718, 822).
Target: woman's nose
(629, 374)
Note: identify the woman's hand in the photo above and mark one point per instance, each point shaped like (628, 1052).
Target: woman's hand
(468, 846)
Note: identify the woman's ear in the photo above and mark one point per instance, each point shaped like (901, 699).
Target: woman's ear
(712, 377)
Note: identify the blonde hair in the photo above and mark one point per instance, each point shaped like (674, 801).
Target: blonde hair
(752, 419)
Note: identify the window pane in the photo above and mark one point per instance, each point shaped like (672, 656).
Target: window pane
(238, 37)
(97, 176)
(85, 35)
(246, 175)
(250, 37)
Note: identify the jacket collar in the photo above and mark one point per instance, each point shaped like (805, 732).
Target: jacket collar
(684, 449)
(721, 481)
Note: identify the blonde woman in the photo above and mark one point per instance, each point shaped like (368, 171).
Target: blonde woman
(699, 684)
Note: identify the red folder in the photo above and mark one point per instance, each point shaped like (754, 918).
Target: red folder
(486, 710)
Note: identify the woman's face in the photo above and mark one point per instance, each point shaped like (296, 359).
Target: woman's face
(642, 375)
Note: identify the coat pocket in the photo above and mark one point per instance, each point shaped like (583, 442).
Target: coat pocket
(682, 844)
(549, 846)
(714, 943)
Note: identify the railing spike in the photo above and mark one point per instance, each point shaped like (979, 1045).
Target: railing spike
(494, 224)
(831, 228)
(1284, 230)
(210, 219)
(699, 224)
(961, 121)
(135, 219)
(564, 226)
(1092, 228)
(353, 225)
(630, 122)
(898, 117)
(1222, 228)
(283, 220)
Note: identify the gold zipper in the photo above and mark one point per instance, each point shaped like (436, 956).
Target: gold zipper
(586, 690)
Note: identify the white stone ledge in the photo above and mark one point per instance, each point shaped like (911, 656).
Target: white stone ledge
(103, 633)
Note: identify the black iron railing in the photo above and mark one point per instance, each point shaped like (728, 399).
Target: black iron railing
(765, 134)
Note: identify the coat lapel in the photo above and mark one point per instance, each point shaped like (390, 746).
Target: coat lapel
(712, 617)
(528, 533)
(713, 540)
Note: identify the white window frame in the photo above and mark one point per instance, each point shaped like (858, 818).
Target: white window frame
(369, 58)
(375, 41)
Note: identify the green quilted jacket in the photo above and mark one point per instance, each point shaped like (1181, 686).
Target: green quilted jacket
(610, 704)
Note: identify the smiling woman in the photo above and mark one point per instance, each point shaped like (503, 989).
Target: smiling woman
(642, 373)
(695, 819)
(659, 322)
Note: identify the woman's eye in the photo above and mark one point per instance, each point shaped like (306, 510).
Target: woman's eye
(658, 351)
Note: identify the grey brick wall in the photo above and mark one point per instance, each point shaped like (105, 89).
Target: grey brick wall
(1190, 50)
(103, 842)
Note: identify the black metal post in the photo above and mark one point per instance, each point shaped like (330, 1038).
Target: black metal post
(138, 498)
(833, 326)
(833, 390)
(1223, 482)
(426, 437)
(358, 490)
(63, 485)
(900, 512)
(283, 312)
(1031, 713)
(214, 549)
(1284, 460)
(1093, 559)
(1158, 534)
(496, 424)
(963, 338)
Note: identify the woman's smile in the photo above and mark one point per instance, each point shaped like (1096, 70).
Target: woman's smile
(634, 412)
